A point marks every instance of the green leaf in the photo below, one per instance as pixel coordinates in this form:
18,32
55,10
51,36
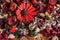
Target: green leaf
32,33
17,34
8,28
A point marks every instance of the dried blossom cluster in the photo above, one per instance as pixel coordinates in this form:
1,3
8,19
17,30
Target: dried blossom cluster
29,19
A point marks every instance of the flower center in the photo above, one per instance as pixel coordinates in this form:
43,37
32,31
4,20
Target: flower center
23,12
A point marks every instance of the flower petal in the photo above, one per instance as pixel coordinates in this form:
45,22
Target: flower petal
30,17
27,18
32,13
27,6
21,7
31,8
18,12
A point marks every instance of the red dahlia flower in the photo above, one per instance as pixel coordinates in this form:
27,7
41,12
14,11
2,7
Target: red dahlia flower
25,12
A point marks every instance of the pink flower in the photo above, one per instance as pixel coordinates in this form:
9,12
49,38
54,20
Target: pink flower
40,8
52,2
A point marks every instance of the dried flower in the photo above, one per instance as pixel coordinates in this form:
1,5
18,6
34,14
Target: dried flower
25,12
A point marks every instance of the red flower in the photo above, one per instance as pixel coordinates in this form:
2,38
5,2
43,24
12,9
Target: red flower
11,21
34,1
40,8
4,6
12,30
19,1
25,12
50,8
52,2
9,6
12,6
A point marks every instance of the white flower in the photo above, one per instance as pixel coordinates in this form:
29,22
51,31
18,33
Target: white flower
1,16
42,14
37,30
23,31
5,15
48,24
32,26
42,28
54,23
8,1
11,36
58,5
